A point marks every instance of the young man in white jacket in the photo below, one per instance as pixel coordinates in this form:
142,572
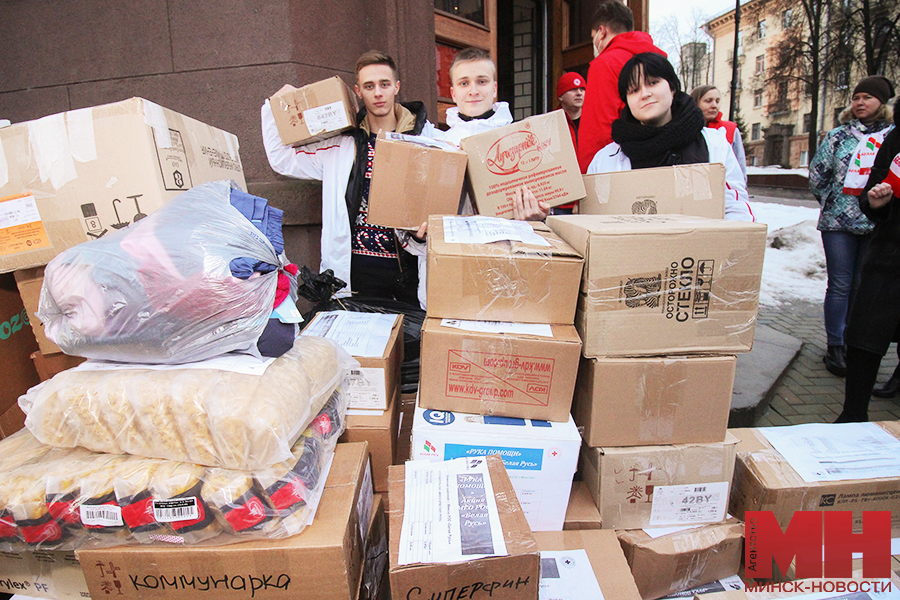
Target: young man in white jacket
369,258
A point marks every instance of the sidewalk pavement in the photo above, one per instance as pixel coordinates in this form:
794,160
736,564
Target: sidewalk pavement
807,392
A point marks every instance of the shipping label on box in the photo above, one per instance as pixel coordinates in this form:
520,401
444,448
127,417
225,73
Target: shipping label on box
697,190
540,457
314,112
647,486
665,284
654,400
414,177
76,176
531,281
536,152
525,375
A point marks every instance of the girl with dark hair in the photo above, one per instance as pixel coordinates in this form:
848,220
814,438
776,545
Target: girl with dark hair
661,126
874,320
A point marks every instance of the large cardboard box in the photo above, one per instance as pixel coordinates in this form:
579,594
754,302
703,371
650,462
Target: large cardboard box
502,281
512,577
684,559
665,284
16,346
376,381
581,513
697,189
504,374
764,480
603,552
379,430
648,486
414,177
540,456
537,152
374,584
314,112
654,400
75,176
324,562
43,574
48,365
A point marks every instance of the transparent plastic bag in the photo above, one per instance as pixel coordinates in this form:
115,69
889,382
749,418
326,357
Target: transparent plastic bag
161,290
65,499
211,417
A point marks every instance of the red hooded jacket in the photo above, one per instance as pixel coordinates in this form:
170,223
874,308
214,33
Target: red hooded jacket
602,104
720,123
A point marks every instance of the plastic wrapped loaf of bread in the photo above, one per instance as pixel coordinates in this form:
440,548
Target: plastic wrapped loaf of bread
209,417
166,289
70,498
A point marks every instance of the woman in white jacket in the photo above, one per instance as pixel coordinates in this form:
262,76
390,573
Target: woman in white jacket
662,126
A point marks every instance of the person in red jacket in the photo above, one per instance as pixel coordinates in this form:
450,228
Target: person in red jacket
570,94
615,41
708,98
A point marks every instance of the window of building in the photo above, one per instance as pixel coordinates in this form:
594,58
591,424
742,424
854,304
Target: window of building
444,56
753,160
806,122
760,64
755,132
842,81
470,10
577,15
804,158
740,42
783,93
786,18
757,99
761,29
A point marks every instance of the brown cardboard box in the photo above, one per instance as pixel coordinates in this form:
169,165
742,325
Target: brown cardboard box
520,568
507,375
602,548
78,175
414,177
763,480
42,574
404,428
502,281
665,284
16,346
324,562
380,433
374,384
537,152
625,482
682,560
48,365
374,584
29,282
655,400
582,512
697,190
314,112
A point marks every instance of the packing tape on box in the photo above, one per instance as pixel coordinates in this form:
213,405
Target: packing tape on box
155,117
506,282
80,124
49,142
692,182
657,402
503,367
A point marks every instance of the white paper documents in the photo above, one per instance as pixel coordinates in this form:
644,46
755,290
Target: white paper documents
568,575
836,452
535,329
694,503
484,230
237,363
450,513
360,334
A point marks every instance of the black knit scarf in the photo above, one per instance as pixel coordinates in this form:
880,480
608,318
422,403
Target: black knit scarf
680,141
485,115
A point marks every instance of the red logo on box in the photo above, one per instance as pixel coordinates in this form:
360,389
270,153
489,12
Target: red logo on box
516,152
459,367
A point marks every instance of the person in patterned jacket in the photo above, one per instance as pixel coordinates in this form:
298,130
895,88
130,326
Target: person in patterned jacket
845,229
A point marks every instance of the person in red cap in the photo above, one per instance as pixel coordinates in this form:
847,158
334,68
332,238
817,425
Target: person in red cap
570,94
615,42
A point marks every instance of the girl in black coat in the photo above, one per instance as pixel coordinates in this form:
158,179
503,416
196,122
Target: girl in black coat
874,320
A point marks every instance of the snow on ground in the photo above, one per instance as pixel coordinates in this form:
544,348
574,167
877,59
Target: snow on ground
777,171
794,268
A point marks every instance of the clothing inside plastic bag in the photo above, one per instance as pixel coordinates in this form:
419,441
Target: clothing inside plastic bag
162,290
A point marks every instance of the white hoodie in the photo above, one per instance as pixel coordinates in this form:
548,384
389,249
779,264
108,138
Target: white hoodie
460,128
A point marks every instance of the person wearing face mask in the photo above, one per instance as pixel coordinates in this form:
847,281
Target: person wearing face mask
615,41
661,126
845,229
708,99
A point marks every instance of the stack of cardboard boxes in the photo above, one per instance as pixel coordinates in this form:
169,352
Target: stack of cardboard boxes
665,302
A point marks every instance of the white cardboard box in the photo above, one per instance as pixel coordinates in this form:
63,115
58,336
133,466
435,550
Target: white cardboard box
540,456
